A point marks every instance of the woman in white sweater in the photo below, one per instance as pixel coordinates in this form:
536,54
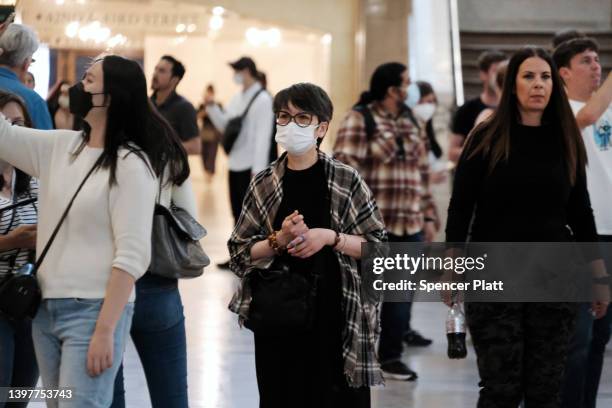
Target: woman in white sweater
104,245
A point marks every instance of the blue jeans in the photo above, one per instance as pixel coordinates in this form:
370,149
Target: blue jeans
586,350
395,317
17,359
62,330
158,332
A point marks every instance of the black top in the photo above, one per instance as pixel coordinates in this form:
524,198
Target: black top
466,115
181,115
306,191
526,199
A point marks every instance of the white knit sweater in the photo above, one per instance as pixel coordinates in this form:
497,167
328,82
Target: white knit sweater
107,227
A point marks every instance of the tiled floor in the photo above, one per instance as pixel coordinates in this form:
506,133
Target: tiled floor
221,362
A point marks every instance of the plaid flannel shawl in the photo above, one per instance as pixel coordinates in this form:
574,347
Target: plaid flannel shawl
353,211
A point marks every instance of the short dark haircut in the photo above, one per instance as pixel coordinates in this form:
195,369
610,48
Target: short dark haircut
178,69
569,49
308,97
566,35
488,58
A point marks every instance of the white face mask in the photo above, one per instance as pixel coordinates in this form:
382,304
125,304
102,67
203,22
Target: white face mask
294,139
238,79
64,101
413,94
424,111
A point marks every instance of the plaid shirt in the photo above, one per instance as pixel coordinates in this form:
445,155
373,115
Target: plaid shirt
394,164
354,212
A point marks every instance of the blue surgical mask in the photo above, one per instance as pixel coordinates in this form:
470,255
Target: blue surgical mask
413,95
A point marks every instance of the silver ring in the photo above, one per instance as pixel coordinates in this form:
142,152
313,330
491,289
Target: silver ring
303,237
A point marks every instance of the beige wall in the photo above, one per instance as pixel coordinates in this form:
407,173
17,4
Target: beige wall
295,60
339,18
385,24
336,17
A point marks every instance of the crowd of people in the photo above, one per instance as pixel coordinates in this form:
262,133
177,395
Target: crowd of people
532,164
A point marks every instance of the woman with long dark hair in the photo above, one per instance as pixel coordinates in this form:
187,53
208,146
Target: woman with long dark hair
87,278
522,178
18,367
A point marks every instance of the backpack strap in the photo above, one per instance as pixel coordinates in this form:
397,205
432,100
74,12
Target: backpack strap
250,103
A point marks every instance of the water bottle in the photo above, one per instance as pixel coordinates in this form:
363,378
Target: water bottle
455,332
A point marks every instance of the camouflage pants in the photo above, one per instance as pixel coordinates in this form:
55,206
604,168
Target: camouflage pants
521,350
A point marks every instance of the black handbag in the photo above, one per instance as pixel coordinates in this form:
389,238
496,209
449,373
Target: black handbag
20,293
282,301
176,251
234,126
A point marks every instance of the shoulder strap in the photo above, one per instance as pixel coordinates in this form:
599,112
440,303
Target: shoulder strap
370,123
17,205
63,217
251,102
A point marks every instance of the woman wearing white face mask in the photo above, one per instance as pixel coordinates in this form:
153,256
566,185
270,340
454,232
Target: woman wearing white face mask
424,111
312,213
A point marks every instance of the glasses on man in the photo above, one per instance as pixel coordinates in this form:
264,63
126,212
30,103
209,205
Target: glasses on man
302,119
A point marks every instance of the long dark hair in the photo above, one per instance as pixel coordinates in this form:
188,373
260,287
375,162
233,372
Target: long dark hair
134,124
22,180
495,140
384,77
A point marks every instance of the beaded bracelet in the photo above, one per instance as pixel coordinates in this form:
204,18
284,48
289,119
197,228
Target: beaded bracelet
273,242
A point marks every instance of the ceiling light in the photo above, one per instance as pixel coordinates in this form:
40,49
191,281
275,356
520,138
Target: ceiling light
215,23
72,29
273,37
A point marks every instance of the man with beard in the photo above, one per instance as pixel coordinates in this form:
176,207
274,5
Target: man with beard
177,110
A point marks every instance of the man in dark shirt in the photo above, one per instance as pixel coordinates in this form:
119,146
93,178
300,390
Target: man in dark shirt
466,115
178,111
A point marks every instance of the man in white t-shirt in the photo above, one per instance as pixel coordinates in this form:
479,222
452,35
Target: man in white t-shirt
578,63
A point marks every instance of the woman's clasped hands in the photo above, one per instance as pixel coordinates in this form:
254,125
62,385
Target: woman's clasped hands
301,241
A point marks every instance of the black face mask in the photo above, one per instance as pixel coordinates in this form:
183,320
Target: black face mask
81,100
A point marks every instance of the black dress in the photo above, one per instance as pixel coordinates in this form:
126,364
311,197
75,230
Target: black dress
306,371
